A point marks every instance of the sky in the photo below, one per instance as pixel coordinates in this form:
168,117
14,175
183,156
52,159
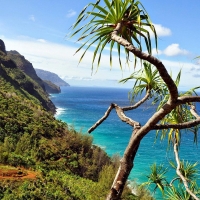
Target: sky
39,30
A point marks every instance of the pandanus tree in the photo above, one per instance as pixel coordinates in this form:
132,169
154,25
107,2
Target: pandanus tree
125,24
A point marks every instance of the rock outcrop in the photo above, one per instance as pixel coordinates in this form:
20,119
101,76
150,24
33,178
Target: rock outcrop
25,66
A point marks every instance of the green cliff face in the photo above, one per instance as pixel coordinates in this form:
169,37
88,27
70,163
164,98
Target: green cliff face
11,72
68,166
51,88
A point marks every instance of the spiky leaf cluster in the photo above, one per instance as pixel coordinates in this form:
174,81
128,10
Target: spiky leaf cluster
100,20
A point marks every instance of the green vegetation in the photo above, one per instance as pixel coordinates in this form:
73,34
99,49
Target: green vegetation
20,81
64,163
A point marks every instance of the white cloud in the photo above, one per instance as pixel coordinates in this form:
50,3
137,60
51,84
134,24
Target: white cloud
41,40
171,50
162,31
71,13
174,50
59,59
32,18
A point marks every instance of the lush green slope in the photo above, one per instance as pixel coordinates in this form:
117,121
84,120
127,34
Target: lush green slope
68,165
14,75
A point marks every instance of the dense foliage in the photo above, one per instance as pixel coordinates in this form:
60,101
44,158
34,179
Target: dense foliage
68,166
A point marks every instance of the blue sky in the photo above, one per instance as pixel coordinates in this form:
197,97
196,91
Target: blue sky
38,30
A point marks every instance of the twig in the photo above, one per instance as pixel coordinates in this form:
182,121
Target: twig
102,119
138,103
179,173
170,184
194,112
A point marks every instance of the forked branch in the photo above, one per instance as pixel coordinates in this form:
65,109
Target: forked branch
120,112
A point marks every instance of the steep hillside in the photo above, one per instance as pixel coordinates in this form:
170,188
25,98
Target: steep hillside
25,66
49,76
51,87
28,69
14,75
63,163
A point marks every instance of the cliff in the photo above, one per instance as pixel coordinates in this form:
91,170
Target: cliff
13,70
51,88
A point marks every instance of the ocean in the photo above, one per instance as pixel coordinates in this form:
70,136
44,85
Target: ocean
81,107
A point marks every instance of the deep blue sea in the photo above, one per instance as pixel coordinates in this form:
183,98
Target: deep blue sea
81,107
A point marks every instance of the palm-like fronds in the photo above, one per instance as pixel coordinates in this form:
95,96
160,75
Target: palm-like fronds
146,79
101,21
157,177
179,115
188,170
179,193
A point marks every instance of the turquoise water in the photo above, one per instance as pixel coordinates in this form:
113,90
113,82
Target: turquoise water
81,107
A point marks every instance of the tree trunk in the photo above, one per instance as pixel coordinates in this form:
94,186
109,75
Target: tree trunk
126,165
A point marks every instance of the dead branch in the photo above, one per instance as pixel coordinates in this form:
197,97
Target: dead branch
120,113
126,119
194,112
102,119
180,175
138,103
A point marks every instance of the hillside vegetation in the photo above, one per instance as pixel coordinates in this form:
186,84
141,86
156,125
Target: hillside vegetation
65,163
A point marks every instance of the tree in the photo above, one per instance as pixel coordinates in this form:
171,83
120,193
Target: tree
126,24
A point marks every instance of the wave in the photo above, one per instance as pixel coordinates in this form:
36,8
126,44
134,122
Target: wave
60,111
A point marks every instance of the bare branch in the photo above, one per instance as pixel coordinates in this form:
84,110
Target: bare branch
138,103
102,119
188,99
126,119
193,111
180,175
177,126
120,113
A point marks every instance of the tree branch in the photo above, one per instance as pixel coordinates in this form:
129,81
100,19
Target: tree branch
170,184
120,113
102,119
180,175
157,63
181,125
177,126
188,99
138,103
126,119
